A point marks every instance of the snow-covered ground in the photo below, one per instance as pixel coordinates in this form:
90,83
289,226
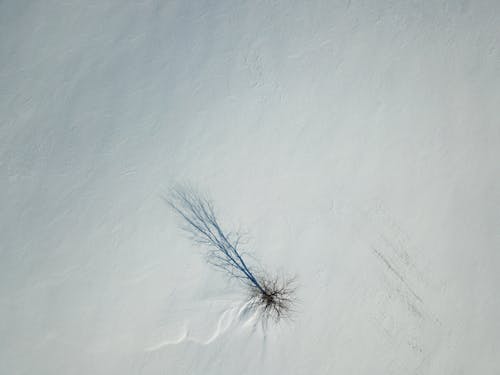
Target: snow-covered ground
357,142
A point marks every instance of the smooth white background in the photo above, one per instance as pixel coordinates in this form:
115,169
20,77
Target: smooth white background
357,142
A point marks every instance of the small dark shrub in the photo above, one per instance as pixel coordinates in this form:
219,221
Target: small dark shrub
271,296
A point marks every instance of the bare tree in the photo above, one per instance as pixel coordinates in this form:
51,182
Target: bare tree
272,297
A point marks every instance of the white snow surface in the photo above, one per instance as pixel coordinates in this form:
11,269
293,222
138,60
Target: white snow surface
356,142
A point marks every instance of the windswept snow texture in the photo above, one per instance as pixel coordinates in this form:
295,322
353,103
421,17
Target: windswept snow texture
356,142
